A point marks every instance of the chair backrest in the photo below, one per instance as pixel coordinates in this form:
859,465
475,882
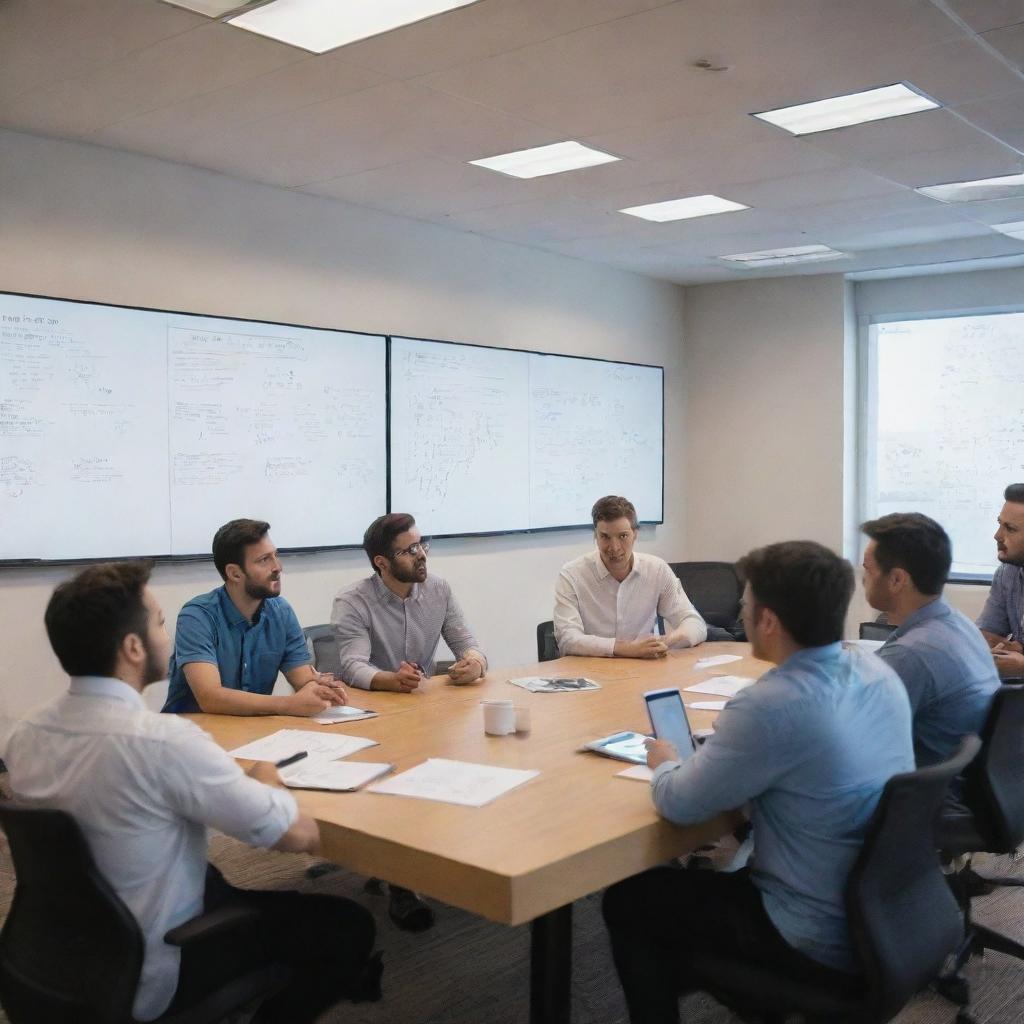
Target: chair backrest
904,919
323,648
994,786
547,649
713,587
875,630
70,950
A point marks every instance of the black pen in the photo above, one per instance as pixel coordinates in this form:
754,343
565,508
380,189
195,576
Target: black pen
291,760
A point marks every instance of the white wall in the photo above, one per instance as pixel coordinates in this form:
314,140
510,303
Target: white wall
79,221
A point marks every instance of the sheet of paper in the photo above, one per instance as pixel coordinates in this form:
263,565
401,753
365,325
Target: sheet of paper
727,686
455,782
639,772
718,659
866,645
319,746
335,775
707,705
553,684
344,713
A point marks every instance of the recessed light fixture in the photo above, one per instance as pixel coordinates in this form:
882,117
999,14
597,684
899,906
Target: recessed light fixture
1010,186
681,209
842,111
214,8
321,25
1012,230
541,160
790,254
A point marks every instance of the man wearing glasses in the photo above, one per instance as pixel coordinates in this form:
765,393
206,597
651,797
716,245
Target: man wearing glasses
388,625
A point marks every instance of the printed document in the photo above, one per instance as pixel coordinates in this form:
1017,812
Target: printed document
455,782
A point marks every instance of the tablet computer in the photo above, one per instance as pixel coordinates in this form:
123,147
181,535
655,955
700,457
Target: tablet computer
667,713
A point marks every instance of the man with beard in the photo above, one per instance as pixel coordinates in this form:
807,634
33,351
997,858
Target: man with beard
230,644
144,788
1002,619
388,625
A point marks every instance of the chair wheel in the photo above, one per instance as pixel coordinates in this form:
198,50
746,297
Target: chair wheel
373,887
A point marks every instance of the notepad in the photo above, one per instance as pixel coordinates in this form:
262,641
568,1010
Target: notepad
342,713
340,776
319,746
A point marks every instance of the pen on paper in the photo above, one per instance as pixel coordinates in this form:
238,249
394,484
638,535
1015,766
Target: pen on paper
284,762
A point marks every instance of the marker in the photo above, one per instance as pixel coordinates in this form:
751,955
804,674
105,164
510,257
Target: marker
291,760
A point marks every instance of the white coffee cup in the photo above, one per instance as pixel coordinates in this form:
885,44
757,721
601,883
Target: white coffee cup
499,717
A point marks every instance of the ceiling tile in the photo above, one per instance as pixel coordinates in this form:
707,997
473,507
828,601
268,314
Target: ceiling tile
985,159
1009,42
800,190
983,15
1000,116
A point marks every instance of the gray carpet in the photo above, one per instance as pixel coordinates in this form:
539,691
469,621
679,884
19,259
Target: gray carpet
469,971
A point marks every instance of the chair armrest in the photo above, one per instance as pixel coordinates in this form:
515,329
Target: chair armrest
214,923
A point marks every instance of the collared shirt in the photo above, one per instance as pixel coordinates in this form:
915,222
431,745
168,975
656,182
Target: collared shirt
1003,613
593,609
812,744
377,630
947,669
248,655
142,787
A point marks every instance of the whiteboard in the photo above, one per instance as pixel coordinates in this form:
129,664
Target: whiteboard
139,432
488,440
946,425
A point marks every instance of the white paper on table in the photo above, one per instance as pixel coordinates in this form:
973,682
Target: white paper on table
639,772
319,746
707,705
865,645
455,782
718,659
342,713
727,686
341,776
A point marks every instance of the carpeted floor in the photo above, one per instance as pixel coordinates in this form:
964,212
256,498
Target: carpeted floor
469,971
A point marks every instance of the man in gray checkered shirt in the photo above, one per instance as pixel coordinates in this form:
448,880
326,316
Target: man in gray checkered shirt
389,624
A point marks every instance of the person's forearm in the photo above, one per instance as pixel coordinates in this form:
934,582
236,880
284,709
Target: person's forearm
224,701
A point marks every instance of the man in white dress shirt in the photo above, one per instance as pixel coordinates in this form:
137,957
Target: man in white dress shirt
607,601
143,787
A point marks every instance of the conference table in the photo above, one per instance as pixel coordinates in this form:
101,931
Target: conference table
570,831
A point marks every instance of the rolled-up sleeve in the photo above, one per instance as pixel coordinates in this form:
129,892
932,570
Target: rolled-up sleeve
457,634
995,616
352,632
195,637
569,632
677,609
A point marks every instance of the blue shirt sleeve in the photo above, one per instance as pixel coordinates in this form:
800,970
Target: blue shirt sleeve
995,616
912,672
296,651
195,637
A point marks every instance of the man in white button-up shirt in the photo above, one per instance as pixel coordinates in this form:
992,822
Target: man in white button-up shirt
607,602
143,787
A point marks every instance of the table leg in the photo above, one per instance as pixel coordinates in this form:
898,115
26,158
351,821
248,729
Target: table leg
551,967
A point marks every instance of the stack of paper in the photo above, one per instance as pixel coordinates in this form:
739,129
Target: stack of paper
319,746
343,713
341,776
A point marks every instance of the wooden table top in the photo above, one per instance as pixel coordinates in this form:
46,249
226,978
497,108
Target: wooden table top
570,831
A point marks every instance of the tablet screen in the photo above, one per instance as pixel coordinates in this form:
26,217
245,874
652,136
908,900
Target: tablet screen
669,721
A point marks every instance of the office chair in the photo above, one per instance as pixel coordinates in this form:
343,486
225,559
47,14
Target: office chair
71,951
876,630
323,648
715,590
904,921
991,822
547,649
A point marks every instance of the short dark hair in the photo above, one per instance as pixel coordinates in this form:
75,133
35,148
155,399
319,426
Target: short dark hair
231,540
807,586
612,507
1014,493
89,615
912,541
381,534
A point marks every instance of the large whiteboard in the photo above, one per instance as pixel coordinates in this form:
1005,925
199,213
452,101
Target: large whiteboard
137,432
945,431
485,440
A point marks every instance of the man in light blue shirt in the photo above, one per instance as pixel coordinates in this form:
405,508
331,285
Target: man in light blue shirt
938,652
810,746
1002,619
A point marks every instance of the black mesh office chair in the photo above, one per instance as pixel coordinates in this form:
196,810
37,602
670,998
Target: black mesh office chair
904,920
991,822
70,950
715,590
547,649
323,648
879,629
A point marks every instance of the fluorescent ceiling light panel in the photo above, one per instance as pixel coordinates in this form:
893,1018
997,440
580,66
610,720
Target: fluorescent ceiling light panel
1010,186
211,8
321,25
1014,230
541,160
842,111
681,209
790,254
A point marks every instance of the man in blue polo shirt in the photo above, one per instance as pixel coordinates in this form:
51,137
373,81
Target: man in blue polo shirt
230,644
1002,619
938,652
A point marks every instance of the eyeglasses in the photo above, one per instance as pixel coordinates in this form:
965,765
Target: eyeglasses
413,549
